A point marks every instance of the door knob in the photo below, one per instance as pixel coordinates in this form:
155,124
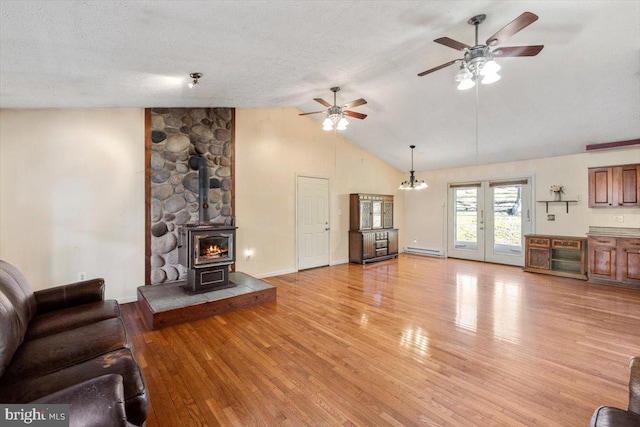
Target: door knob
326,229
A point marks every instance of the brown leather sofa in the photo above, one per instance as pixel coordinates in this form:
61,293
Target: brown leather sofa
65,344
608,416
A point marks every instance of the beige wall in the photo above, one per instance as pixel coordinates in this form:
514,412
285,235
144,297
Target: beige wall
72,196
72,192
275,145
425,212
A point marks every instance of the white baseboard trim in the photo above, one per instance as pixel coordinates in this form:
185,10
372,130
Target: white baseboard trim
342,261
125,300
274,273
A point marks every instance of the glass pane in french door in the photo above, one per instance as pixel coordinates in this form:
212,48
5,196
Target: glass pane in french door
466,218
507,220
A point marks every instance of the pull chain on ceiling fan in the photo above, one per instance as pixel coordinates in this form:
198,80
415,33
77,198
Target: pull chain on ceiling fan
478,59
336,114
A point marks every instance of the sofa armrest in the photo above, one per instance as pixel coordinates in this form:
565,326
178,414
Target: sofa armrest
634,385
70,295
96,402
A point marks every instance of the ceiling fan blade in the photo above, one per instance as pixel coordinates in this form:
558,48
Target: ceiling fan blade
315,112
322,101
518,51
522,21
452,43
439,67
355,103
354,114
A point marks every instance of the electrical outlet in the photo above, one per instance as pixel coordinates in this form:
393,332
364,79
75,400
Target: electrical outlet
551,217
82,276
618,218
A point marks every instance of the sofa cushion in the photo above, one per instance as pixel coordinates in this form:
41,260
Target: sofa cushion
71,318
69,295
608,416
15,286
43,355
96,402
11,332
119,362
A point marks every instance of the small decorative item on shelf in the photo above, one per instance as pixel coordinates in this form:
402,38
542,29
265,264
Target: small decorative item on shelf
557,191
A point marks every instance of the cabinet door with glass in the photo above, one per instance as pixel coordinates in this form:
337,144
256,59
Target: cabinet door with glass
371,211
388,215
365,215
376,214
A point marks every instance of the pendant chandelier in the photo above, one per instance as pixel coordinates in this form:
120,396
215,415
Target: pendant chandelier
412,183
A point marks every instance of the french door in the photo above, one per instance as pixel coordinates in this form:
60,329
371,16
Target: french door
488,219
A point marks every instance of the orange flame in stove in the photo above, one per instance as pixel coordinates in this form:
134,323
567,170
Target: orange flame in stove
215,251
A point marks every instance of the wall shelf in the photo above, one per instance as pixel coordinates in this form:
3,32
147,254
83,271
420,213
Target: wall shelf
566,202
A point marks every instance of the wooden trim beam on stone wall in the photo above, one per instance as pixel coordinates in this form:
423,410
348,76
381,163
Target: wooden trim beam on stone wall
147,196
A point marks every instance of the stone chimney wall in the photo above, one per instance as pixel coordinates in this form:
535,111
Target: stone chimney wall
177,134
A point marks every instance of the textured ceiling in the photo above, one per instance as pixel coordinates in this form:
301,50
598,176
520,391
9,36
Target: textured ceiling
583,88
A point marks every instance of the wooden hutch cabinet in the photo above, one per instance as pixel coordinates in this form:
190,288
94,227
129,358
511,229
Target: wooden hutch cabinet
614,186
371,234
614,256
556,255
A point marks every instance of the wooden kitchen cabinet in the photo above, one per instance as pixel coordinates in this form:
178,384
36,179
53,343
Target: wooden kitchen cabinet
614,186
614,259
629,261
556,255
602,258
538,252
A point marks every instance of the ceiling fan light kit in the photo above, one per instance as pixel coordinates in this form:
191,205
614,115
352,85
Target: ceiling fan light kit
478,60
335,114
412,183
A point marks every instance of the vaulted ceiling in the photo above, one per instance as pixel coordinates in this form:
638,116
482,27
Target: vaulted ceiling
583,88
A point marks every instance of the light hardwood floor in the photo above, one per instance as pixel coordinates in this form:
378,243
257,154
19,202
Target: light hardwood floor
413,341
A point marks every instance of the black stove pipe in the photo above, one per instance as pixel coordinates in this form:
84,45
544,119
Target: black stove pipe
202,165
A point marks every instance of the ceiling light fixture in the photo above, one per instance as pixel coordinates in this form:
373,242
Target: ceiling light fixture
195,77
335,118
412,183
477,62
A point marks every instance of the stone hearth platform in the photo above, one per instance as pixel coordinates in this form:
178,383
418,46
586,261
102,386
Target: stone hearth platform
170,303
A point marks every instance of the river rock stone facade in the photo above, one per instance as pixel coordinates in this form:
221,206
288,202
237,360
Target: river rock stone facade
177,134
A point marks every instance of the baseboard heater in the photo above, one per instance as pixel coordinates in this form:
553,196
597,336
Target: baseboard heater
425,252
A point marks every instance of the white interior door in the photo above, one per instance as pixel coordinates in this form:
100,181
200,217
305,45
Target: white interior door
488,219
313,222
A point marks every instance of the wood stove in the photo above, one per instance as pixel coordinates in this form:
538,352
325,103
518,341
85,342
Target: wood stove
207,251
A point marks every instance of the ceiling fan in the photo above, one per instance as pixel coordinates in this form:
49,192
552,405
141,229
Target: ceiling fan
478,59
335,113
